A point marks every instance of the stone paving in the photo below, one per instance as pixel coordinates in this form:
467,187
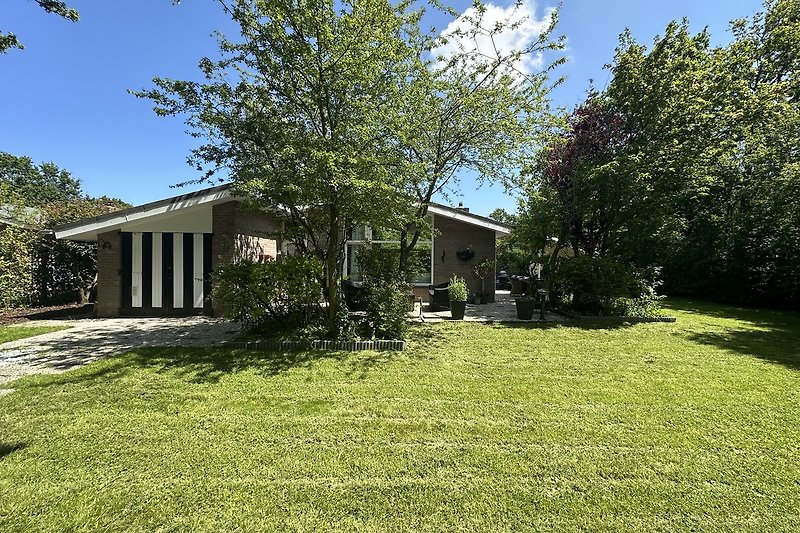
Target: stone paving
92,339
502,310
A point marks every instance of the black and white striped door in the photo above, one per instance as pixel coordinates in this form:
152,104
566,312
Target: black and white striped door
165,273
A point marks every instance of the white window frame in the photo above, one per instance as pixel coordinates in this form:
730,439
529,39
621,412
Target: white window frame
367,240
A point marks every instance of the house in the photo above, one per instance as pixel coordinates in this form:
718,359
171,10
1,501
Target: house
156,259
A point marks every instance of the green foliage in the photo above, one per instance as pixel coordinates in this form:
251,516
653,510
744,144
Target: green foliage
457,290
602,285
700,172
16,261
57,7
24,183
387,305
385,298
271,298
379,264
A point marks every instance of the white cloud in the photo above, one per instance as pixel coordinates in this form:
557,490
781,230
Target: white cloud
520,28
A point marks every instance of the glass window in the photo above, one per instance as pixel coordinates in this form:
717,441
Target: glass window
420,260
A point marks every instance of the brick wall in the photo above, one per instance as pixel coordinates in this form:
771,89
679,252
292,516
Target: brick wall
454,236
237,234
109,257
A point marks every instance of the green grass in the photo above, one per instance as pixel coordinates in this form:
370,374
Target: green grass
654,427
13,333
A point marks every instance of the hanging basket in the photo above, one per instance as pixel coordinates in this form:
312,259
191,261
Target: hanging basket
465,255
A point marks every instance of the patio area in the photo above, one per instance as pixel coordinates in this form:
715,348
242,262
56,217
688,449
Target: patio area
502,310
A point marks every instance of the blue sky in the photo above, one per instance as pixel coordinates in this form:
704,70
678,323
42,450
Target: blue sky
64,98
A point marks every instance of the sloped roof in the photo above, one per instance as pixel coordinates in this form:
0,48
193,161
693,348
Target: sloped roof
89,228
20,217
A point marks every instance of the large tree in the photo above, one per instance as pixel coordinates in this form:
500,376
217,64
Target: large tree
297,112
338,114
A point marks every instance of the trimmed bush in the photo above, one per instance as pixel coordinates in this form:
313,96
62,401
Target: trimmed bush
604,286
271,298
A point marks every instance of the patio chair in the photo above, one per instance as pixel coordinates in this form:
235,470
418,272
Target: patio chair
439,298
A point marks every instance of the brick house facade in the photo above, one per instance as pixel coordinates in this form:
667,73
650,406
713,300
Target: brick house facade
157,259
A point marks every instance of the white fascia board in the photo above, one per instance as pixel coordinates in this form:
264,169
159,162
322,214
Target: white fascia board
88,229
468,218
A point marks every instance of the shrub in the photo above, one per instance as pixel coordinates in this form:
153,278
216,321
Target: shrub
385,295
387,305
457,291
271,298
602,285
379,264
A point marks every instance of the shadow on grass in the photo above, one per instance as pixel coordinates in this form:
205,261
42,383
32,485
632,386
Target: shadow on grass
563,324
776,344
8,449
209,365
774,336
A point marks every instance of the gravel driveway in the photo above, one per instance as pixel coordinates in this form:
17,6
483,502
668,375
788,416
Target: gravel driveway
92,339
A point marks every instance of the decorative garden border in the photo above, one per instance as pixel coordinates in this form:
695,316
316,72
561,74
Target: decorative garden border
297,346
598,319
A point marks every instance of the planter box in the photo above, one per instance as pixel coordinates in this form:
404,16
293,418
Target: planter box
457,309
525,308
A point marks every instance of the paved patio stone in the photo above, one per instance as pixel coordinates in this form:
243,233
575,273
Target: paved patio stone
502,310
92,339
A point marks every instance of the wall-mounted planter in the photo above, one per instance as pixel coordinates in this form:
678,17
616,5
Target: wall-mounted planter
465,255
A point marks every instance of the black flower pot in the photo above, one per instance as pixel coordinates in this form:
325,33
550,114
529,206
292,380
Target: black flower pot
457,309
525,308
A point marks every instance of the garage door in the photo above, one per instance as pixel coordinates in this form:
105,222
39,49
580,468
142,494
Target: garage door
166,274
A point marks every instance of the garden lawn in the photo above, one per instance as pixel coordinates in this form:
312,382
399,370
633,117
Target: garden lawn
654,427
13,333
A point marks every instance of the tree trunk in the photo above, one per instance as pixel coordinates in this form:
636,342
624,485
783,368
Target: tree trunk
333,274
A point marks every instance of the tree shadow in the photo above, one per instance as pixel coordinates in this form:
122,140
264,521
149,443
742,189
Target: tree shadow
774,345
8,449
774,336
547,324
209,365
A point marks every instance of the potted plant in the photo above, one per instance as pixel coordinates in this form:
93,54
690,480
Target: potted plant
525,307
483,270
457,291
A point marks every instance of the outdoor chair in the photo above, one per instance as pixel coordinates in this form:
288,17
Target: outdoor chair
439,297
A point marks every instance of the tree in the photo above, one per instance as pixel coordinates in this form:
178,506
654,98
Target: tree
57,7
297,112
23,182
37,269
479,107
334,115
702,175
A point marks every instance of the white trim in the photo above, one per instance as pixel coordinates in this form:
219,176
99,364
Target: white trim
91,227
136,270
157,286
463,216
177,270
197,269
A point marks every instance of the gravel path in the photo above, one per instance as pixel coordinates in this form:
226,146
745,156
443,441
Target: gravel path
92,339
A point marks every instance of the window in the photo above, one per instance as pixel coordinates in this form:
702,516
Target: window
420,260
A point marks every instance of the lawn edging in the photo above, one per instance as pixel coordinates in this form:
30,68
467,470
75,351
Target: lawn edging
292,346
599,319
